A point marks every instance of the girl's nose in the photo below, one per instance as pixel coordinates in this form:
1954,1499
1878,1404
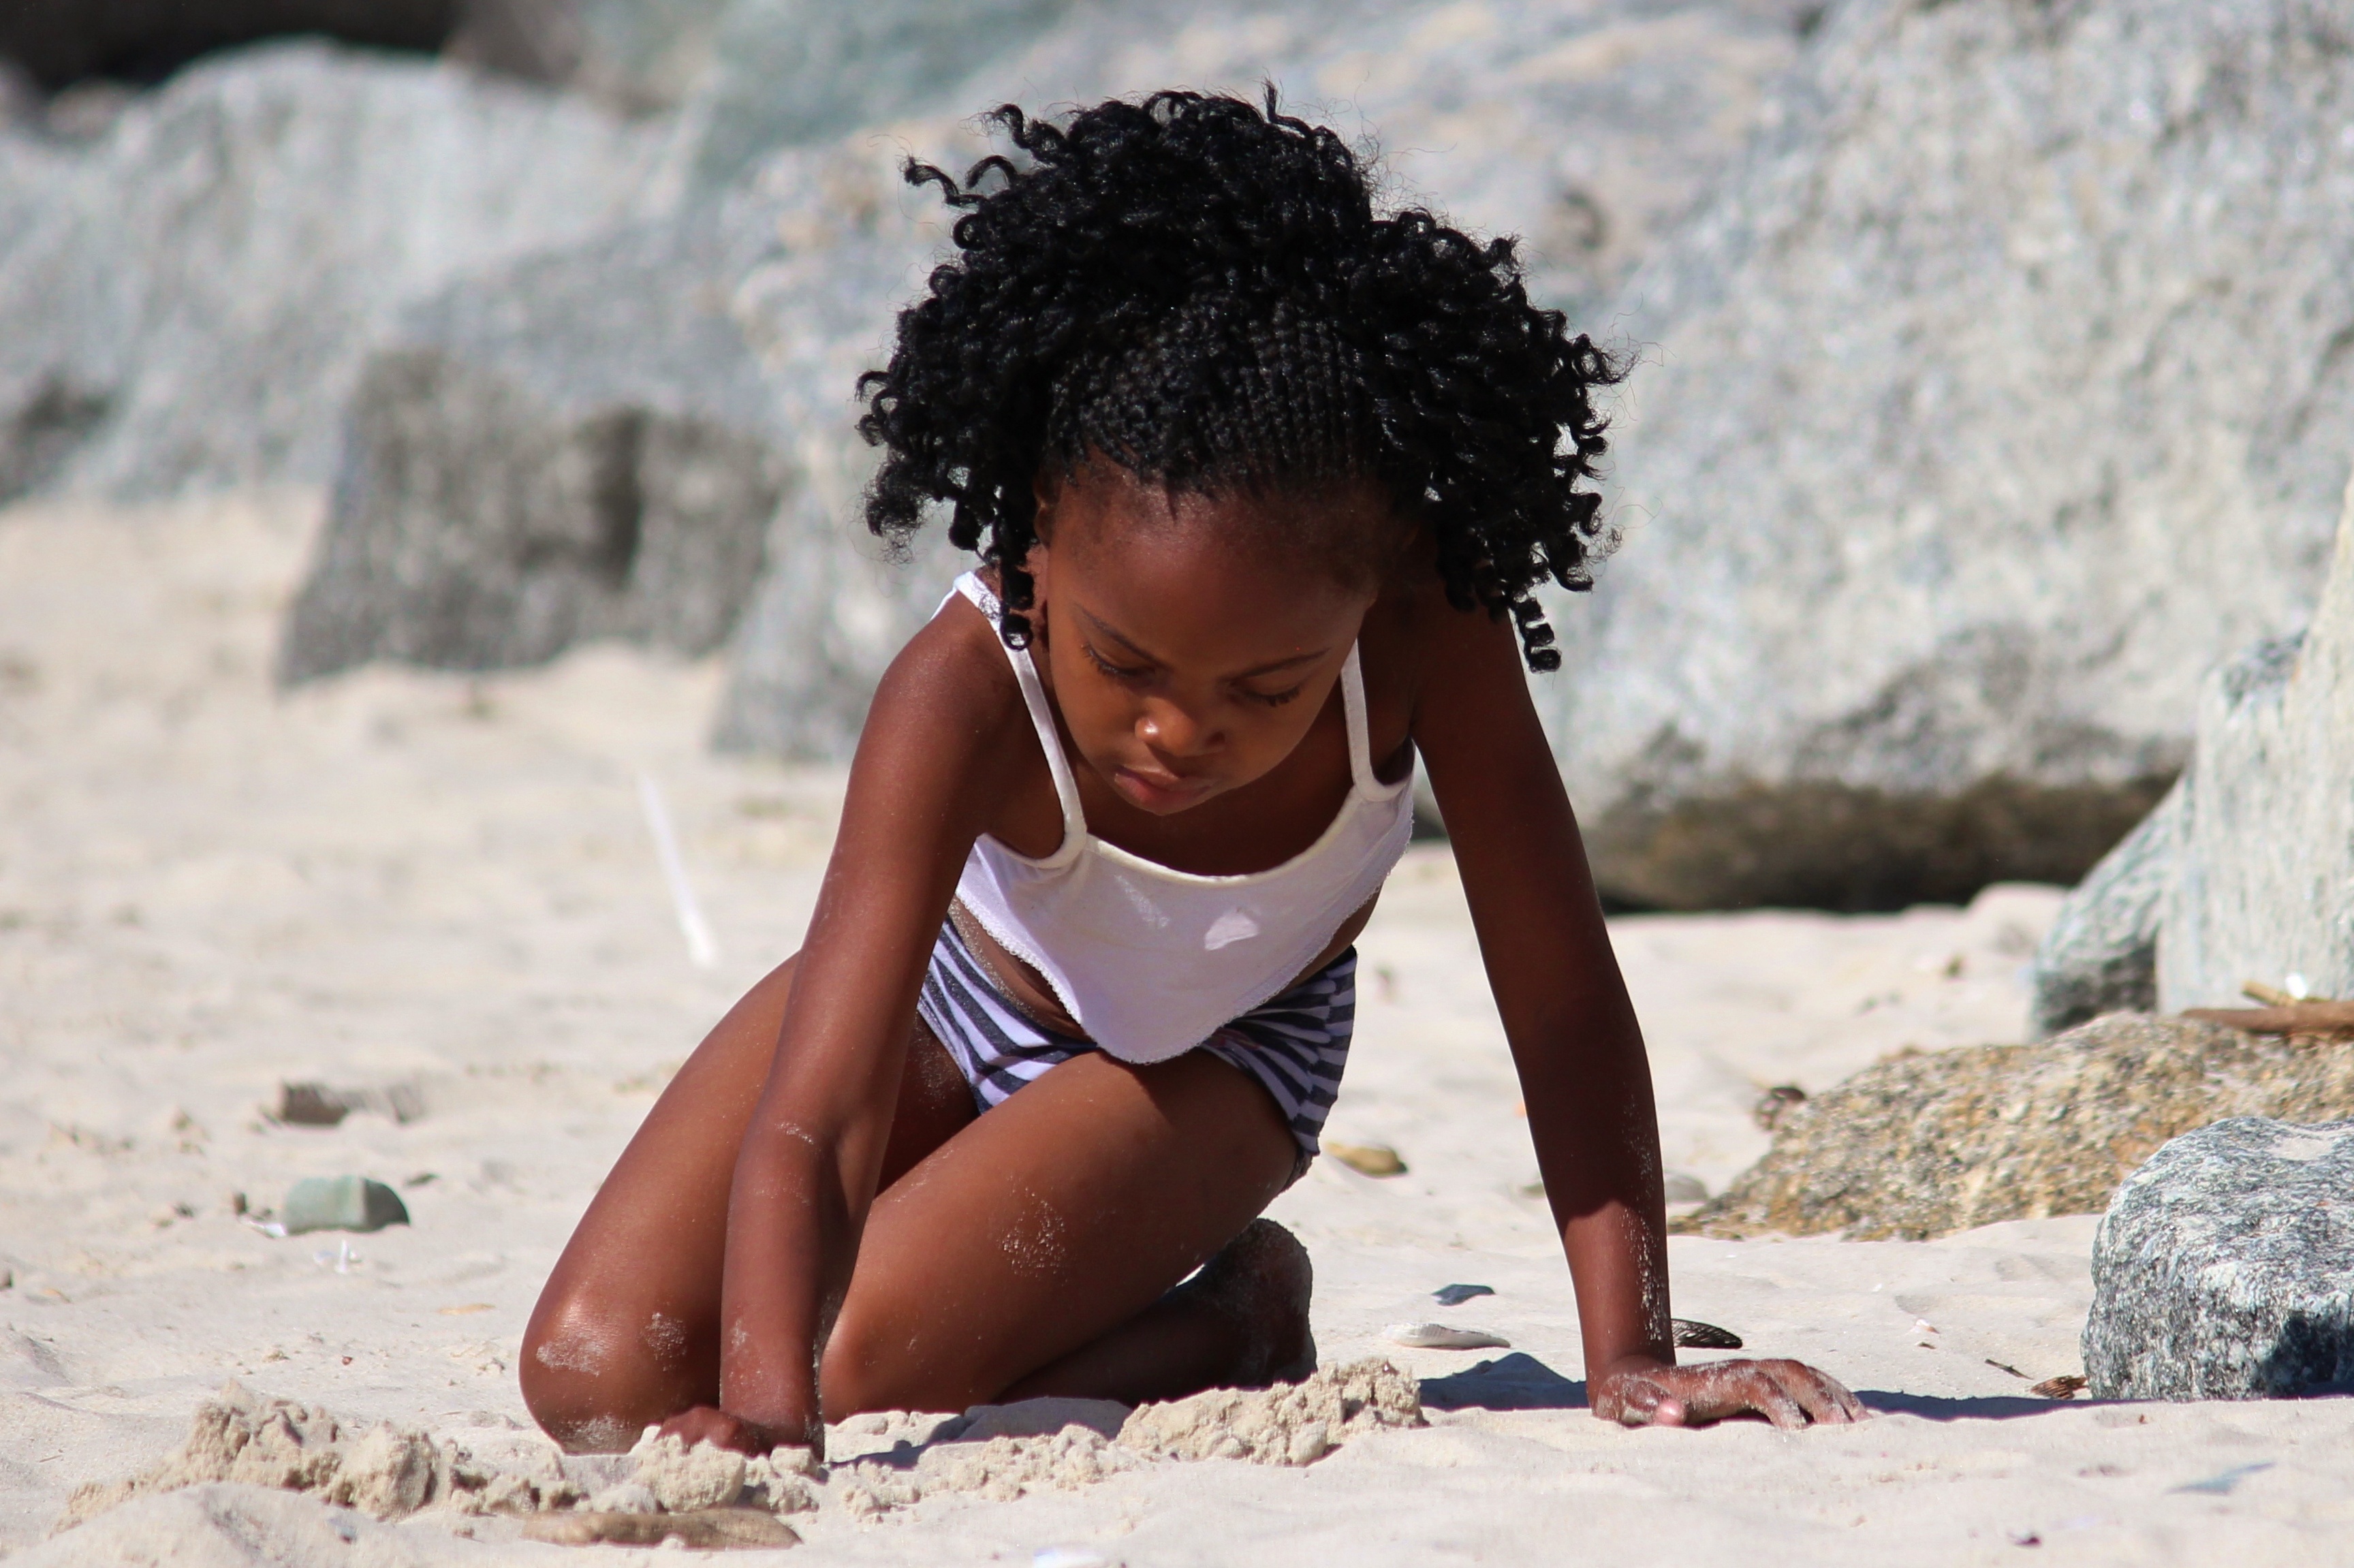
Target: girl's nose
1172,732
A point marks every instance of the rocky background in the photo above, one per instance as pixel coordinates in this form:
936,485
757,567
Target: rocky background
1995,359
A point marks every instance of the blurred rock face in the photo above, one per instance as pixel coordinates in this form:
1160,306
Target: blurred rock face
2006,392
579,447
188,300
1998,391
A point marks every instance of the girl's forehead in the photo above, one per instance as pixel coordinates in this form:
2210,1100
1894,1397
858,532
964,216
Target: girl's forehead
1191,593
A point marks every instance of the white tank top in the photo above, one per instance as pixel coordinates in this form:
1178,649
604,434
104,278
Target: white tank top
1149,961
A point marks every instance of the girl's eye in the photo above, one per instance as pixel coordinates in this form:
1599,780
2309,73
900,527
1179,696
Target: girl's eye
1116,672
1276,699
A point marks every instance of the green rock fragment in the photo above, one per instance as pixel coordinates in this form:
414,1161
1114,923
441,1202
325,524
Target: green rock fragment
342,1204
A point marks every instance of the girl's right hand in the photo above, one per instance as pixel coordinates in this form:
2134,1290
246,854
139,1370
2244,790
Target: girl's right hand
1646,1392
709,1424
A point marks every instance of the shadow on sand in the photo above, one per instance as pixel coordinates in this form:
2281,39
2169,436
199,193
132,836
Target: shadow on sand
1521,1381
1517,1382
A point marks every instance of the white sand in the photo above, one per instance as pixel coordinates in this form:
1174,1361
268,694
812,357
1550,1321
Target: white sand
206,888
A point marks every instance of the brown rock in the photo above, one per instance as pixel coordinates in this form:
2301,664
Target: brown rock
1924,1144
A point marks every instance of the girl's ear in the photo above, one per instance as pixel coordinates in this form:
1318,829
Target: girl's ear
1047,489
1046,492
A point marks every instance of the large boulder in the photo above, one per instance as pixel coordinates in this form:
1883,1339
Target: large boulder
2224,1267
188,300
1922,1144
581,446
2006,391
2264,885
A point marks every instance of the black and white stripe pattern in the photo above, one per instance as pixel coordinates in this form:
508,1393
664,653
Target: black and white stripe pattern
1295,1044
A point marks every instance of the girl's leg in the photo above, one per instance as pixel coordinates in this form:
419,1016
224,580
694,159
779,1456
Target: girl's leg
1036,1251
626,1330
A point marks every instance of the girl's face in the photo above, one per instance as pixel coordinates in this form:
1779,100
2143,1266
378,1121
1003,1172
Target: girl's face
1188,649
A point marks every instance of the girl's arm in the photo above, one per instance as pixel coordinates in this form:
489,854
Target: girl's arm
931,768
1574,1036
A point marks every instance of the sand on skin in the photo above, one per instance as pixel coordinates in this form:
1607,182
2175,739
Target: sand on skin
206,888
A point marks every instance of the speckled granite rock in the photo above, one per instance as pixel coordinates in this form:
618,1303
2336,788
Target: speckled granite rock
2101,953
2224,1267
1924,1143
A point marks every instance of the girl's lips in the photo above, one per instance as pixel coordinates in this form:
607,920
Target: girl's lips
1166,793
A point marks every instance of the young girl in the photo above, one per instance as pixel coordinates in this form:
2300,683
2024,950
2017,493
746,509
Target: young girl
1260,482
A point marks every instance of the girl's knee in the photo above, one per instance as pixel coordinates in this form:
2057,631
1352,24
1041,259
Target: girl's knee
869,1365
595,1372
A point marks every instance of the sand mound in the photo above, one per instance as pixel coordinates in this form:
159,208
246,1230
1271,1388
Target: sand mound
991,1456
387,1471
392,1471
999,1453
1292,1424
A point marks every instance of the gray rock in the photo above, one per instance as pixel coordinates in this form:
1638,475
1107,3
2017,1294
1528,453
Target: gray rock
188,300
2265,887
582,446
2101,953
2224,1267
2005,392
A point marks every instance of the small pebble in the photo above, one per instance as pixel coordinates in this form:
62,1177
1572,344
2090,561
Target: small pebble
1456,1295
342,1204
1682,1187
1694,1335
1775,1104
1367,1159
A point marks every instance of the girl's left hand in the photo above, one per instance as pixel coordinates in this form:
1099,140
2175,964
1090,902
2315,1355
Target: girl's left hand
1790,1395
709,1424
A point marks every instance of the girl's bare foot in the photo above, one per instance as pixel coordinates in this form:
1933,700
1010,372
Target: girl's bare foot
1260,1284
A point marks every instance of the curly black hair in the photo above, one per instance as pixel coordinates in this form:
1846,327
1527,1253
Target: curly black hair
1201,290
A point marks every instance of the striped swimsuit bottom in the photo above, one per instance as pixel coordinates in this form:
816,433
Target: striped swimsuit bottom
1294,1045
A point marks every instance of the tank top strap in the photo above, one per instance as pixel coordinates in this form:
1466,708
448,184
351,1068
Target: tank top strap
1042,717
1360,739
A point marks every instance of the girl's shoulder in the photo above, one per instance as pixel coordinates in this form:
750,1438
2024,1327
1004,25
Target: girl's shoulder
954,668
948,702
